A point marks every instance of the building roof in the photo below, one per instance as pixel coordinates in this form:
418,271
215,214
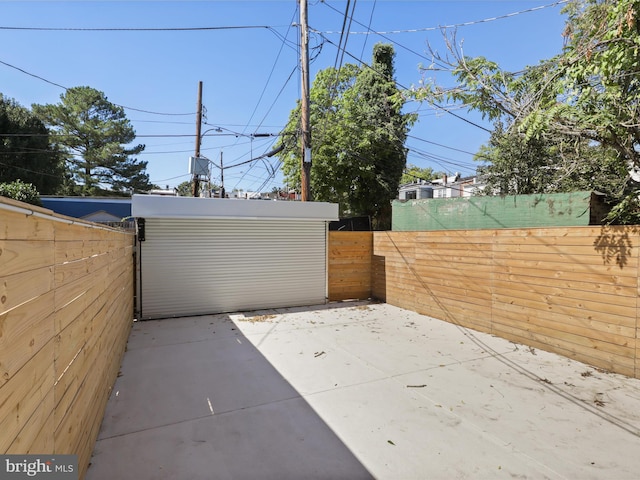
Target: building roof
81,207
156,206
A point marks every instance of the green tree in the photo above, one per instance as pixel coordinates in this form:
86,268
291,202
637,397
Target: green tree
414,173
327,120
579,109
185,189
95,133
599,74
516,164
25,150
18,190
358,137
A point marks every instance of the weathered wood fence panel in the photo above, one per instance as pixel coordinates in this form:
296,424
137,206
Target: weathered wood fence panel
349,265
66,309
569,290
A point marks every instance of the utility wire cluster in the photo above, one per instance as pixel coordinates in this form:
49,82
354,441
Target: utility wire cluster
348,18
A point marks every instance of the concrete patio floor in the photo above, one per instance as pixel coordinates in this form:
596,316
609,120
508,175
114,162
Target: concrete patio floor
358,390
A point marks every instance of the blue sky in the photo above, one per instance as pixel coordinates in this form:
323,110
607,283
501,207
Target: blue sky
250,76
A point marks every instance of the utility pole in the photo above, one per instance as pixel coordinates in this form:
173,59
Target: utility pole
305,170
222,192
196,178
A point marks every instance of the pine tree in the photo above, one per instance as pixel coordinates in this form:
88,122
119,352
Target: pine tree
94,134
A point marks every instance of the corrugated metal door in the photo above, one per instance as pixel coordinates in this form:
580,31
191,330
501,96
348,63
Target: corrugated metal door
192,267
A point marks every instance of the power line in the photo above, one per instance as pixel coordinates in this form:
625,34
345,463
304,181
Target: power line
218,147
261,157
140,29
440,145
271,27
269,110
161,121
34,75
61,135
379,34
284,41
66,89
405,88
29,170
446,160
454,25
161,135
271,176
291,44
383,34
153,113
277,96
275,62
364,44
342,35
172,178
337,66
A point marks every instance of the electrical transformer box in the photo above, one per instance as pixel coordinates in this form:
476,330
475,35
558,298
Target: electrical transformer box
199,166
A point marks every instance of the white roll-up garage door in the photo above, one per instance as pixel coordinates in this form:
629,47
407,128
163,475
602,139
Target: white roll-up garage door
202,266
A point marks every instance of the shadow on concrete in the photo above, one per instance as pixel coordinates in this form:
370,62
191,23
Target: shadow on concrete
196,400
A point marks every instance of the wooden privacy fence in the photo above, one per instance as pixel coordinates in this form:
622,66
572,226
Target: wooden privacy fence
66,308
349,265
569,290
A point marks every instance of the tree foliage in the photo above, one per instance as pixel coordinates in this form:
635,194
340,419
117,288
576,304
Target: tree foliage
19,190
94,134
515,164
185,189
358,136
25,150
599,75
570,121
413,173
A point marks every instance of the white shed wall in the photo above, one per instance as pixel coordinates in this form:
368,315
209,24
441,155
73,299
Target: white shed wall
211,264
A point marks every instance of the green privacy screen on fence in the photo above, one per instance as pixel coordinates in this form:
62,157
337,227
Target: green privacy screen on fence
514,211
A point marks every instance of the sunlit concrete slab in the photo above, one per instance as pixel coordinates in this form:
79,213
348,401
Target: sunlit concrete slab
358,390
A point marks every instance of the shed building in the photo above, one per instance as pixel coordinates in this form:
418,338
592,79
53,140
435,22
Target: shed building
209,255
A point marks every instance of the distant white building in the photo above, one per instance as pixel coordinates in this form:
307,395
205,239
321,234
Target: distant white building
446,187
243,194
414,191
167,192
